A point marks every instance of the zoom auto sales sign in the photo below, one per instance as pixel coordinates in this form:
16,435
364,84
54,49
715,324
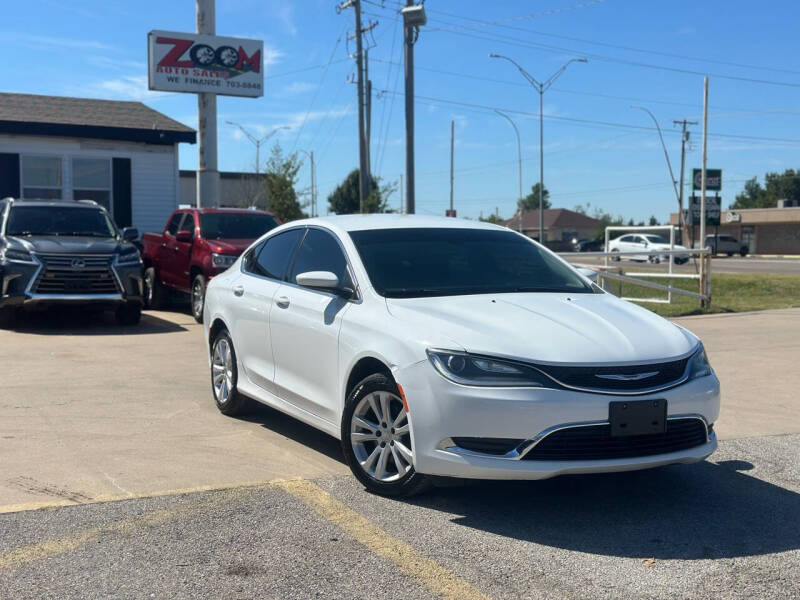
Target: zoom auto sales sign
189,62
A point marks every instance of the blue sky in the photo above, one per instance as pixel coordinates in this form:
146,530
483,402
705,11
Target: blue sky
597,149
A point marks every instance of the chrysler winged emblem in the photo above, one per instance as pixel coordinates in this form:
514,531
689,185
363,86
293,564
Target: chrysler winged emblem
628,376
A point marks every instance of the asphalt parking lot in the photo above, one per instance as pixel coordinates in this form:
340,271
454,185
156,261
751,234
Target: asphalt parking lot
144,490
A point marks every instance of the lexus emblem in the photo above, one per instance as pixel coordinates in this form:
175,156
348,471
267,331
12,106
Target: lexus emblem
628,376
78,263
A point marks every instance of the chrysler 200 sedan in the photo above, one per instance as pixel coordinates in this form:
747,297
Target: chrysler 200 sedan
443,347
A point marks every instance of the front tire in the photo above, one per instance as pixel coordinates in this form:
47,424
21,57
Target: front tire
615,258
224,376
155,296
8,318
376,439
129,314
198,297
743,252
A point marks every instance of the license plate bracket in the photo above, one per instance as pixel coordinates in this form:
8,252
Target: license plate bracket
637,417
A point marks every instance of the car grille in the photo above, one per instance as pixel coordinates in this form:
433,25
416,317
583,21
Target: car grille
594,442
591,378
60,275
494,446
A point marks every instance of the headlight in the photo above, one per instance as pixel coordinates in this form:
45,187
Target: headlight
699,365
467,369
11,255
129,257
222,261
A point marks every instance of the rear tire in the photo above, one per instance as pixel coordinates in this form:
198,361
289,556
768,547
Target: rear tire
744,251
376,441
198,297
155,295
224,376
730,254
615,258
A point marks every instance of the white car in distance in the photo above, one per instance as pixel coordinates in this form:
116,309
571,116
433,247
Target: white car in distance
649,245
443,347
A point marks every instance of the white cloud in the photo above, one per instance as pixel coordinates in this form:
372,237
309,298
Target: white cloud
297,87
43,41
129,87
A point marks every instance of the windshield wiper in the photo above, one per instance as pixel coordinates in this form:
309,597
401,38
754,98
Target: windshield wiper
87,234
30,233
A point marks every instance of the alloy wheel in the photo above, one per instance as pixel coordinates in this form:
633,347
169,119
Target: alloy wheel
149,284
380,437
222,370
197,297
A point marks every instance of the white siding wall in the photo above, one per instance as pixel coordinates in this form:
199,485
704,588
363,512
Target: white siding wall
154,169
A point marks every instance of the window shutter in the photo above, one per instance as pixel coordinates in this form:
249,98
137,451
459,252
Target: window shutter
121,182
9,175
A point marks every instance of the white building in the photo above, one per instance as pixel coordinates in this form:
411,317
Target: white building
123,155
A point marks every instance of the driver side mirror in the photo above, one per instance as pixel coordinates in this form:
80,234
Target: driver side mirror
130,233
323,280
184,236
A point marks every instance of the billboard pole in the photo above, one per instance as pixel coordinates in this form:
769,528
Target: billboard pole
207,173
703,273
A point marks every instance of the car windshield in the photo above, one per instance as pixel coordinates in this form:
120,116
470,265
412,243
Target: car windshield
656,239
418,262
59,220
236,226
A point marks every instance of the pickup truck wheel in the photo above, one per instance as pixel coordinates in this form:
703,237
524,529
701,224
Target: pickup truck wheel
198,297
224,376
155,296
129,314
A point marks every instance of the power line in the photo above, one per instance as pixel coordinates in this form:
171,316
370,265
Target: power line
479,22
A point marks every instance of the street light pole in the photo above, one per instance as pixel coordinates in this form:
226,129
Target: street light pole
519,157
257,142
541,87
666,154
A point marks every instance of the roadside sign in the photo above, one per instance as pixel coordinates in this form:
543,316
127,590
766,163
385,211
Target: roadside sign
713,179
196,63
450,213
712,210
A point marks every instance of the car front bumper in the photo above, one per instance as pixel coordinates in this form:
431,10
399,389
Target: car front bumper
440,410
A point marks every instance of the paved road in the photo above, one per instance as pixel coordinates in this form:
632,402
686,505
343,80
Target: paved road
720,264
726,528
93,413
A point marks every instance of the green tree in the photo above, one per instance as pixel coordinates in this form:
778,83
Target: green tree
653,221
531,201
777,186
606,219
492,218
344,200
279,181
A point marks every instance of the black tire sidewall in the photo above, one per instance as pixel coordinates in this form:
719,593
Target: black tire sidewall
199,316
236,404
412,481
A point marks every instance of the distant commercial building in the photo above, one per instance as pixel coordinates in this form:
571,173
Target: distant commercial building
560,225
123,155
235,189
764,230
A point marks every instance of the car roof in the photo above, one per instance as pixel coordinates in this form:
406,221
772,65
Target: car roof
347,223
58,203
207,211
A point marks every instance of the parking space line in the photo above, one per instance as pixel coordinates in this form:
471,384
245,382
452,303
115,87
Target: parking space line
27,506
49,548
441,581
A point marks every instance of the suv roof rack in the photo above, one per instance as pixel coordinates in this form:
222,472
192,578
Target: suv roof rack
87,202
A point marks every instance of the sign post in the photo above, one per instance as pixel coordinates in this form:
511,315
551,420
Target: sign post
206,65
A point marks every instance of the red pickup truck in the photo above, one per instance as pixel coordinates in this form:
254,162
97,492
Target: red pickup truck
196,244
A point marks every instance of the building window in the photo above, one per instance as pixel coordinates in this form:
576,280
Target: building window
41,177
91,180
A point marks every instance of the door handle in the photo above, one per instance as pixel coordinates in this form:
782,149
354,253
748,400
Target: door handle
282,301
238,290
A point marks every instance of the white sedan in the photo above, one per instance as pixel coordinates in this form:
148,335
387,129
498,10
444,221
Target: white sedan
433,346
649,245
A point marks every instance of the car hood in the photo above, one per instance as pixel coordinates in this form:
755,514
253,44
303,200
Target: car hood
236,246
549,328
66,245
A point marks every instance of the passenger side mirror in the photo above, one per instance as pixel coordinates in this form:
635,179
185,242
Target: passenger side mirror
184,236
323,280
130,233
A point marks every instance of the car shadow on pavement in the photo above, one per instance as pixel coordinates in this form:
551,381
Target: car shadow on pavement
700,511
77,321
295,430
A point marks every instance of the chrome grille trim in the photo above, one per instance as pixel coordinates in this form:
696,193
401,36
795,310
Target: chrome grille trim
56,276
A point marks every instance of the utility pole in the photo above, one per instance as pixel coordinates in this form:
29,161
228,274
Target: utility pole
413,18
452,156
684,140
207,171
368,109
401,193
703,173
